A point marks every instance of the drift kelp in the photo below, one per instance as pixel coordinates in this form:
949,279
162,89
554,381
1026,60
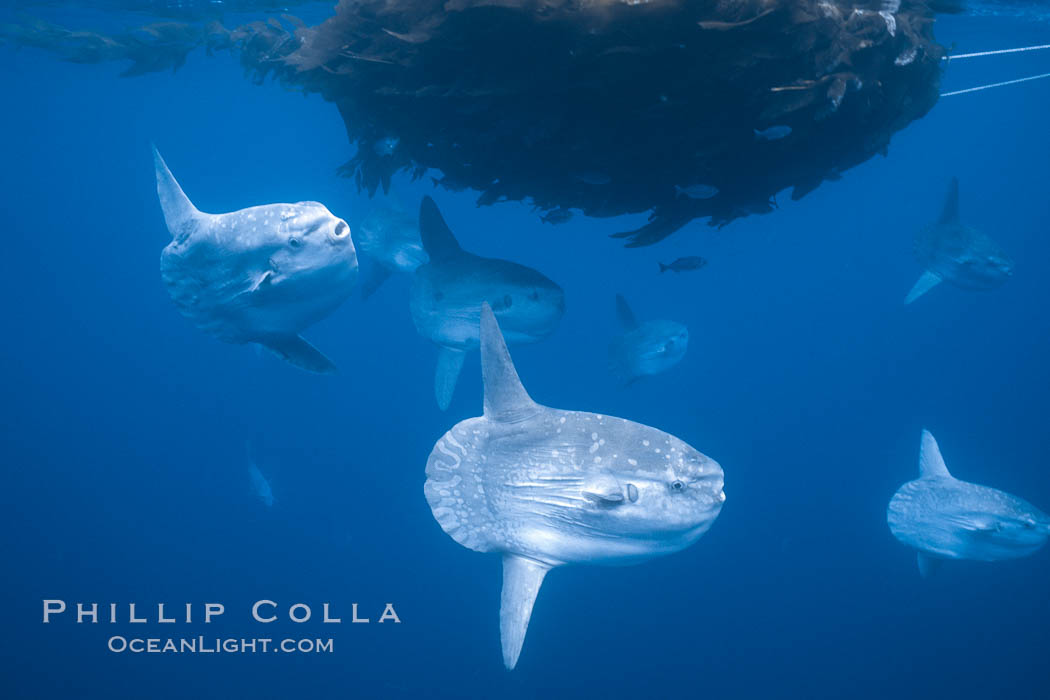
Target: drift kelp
606,107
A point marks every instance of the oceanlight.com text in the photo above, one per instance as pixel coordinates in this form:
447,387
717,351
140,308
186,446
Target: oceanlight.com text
217,645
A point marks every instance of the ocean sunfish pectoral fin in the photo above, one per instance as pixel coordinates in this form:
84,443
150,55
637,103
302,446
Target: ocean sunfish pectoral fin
928,565
449,364
603,488
298,352
437,238
928,281
179,213
931,463
261,281
950,213
983,524
624,313
374,277
522,579
506,400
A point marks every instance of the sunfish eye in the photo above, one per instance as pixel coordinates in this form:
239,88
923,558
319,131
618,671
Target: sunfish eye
677,485
294,242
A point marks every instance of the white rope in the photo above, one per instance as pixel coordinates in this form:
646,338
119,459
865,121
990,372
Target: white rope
994,85
995,53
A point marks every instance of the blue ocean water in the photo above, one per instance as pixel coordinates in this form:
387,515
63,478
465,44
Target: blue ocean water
125,429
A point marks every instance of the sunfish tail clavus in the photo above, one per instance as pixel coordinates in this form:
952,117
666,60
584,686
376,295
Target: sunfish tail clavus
945,518
257,275
546,487
448,291
951,251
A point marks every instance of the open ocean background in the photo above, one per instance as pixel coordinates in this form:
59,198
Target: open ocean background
125,477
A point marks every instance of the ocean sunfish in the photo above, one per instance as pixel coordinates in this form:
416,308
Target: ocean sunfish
448,291
945,518
258,275
546,487
390,237
646,348
951,251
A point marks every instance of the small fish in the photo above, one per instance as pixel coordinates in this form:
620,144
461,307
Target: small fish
556,216
698,191
386,146
689,262
594,178
773,133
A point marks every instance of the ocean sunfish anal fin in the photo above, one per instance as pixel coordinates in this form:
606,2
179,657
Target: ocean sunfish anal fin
179,213
449,364
522,579
506,400
925,283
435,234
298,352
931,464
928,565
950,213
374,277
624,313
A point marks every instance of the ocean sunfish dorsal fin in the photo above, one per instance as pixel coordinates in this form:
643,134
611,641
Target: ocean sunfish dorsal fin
950,213
506,400
624,313
522,579
437,238
179,213
931,464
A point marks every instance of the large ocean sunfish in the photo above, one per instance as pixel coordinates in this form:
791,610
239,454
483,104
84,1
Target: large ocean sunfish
546,487
945,518
645,349
258,275
448,291
951,251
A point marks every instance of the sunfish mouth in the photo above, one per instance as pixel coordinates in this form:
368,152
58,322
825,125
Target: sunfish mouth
340,232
